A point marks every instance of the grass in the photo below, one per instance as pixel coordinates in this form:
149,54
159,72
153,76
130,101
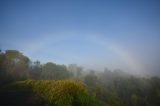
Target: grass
51,92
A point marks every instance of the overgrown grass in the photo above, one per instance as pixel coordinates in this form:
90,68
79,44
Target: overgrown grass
63,92
58,93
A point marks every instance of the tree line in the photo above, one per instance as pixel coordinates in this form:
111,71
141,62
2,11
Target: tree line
113,88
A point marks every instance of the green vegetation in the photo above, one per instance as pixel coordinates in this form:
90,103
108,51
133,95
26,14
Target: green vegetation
63,92
27,83
56,93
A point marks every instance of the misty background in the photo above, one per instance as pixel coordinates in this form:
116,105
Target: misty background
94,34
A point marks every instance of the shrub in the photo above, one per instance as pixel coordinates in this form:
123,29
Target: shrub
63,92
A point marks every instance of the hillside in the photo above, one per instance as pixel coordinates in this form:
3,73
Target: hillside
46,92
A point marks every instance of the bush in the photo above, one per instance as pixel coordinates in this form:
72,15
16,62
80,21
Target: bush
63,92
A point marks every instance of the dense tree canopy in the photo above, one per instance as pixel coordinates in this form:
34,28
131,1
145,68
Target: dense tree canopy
13,66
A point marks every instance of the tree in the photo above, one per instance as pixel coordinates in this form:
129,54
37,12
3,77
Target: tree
13,65
35,70
91,79
53,71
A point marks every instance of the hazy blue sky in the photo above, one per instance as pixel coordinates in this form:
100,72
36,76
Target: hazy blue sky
121,34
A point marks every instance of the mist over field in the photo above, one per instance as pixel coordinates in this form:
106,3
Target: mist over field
97,52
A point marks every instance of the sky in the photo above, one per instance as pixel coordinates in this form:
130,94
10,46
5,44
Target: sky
117,34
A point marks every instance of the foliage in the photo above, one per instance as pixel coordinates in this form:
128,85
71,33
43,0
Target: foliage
54,71
63,92
13,66
114,88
